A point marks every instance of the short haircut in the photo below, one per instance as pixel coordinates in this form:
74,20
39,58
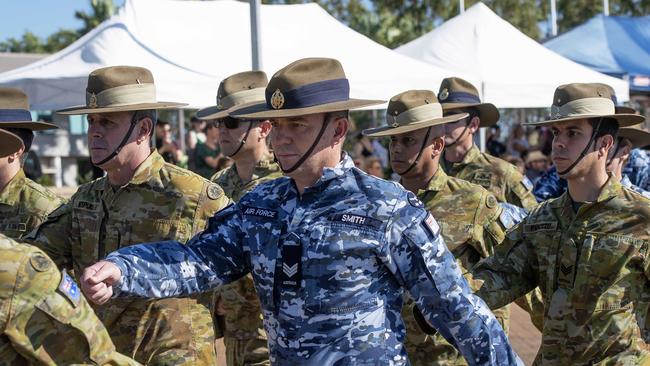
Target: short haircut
152,114
26,135
337,114
608,126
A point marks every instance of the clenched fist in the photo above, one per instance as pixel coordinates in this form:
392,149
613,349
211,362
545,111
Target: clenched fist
97,281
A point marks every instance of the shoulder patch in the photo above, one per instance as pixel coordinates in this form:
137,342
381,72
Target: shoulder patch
483,179
68,288
491,201
431,225
214,192
39,262
414,201
540,226
527,183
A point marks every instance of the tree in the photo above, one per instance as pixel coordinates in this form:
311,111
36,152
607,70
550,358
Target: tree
575,12
101,10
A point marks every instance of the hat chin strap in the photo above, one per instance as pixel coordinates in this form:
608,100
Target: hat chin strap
461,134
585,150
117,150
309,151
417,158
243,141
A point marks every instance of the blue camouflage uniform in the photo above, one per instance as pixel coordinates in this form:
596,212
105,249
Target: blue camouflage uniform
626,182
637,169
330,267
549,185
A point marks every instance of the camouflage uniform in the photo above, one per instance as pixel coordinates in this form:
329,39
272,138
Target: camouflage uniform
161,202
593,269
496,175
43,317
244,335
24,204
329,267
472,223
549,185
500,178
637,169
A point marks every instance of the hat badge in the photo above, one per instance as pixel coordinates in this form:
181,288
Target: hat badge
277,99
92,101
444,94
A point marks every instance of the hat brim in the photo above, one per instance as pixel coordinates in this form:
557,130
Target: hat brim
639,138
29,125
215,112
83,109
624,120
487,112
624,109
10,143
261,110
391,131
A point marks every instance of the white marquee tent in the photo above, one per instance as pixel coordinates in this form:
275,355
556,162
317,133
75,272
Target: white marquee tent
191,45
514,71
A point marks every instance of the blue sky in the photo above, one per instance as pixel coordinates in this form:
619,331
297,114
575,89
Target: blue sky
42,17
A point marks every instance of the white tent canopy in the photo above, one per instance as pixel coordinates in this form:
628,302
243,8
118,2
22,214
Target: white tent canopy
514,71
190,46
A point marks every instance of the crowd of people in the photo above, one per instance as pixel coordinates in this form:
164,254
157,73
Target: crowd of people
296,252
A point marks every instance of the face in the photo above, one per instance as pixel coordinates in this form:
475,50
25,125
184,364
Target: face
105,133
233,133
458,131
292,137
569,139
212,132
163,131
539,165
375,169
404,149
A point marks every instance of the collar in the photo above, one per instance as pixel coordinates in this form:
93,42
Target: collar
331,173
146,173
436,183
10,194
262,168
625,181
472,154
611,189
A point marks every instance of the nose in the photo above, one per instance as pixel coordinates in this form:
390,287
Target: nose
94,131
279,136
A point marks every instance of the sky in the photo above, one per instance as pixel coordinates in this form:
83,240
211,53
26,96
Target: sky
41,17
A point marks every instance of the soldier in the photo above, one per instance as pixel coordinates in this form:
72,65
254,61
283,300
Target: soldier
628,139
463,160
471,221
141,198
330,248
24,204
243,140
586,250
43,317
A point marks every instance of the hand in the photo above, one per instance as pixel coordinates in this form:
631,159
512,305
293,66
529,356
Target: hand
97,281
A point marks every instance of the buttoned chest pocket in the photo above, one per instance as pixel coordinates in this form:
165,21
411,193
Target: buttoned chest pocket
146,230
87,223
261,238
342,263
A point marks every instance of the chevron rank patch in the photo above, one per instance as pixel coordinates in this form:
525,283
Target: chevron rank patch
291,262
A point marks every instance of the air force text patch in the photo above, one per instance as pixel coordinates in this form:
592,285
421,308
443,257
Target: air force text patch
260,212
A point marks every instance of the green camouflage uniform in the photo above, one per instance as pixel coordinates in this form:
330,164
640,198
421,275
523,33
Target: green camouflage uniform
24,204
496,175
468,216
44,319
161,202
507,185
593,269
244,336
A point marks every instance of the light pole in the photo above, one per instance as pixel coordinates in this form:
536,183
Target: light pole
256,39
554,18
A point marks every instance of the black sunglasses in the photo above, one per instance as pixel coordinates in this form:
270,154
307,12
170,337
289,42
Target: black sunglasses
231,123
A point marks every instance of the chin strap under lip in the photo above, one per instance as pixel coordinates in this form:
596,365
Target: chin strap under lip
417,158
309,151
243,141
469,120
592,139
134,121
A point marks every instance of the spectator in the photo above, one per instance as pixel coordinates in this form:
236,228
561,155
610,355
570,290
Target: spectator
206,159
517,162
517,142
536,164
363,147
167,147
194,136
373,167
493,145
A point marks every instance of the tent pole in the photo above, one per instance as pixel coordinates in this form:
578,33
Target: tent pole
553,19
461,6
606,8
256,39
181,130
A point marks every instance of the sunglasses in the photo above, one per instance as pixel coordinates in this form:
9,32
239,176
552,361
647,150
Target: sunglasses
231,123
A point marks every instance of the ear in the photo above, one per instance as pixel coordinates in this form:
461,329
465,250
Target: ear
340,130
625,152
16,156
437,146
474,124
265,129
604,145
146,125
